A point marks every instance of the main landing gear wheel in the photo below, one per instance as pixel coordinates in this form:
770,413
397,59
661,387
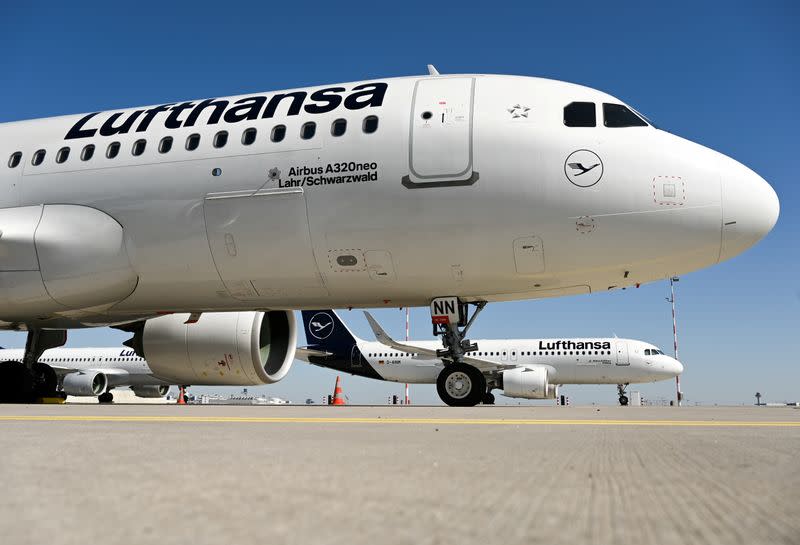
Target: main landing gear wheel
623,400
107,397
26,381
461,385
488,398
16,383
45,380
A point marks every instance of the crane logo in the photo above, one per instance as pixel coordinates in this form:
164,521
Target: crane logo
320,325
583,168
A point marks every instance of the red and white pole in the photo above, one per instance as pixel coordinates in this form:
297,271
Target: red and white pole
408,319
678,394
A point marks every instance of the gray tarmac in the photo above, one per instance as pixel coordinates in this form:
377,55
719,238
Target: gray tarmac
134,474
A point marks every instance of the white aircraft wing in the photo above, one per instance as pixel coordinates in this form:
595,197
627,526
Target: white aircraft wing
62,370
381,336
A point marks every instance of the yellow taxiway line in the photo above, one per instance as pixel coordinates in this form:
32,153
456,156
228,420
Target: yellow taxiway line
412,421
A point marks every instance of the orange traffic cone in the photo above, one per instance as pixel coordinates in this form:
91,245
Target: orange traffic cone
181,396
338,396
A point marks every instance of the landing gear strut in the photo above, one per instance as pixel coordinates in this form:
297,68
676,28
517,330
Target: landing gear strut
623,399
459,384
24,382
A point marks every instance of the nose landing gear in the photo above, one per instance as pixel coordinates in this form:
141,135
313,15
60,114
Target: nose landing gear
458,384
623,399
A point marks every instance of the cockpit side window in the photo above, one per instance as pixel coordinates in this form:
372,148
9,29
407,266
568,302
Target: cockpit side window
646,351
580,114
617,115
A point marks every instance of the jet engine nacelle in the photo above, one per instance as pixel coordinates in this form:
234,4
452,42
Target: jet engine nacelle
150,390
88,383
220,348
529,382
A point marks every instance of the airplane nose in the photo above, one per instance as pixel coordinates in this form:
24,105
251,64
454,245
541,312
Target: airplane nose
670,367
750,209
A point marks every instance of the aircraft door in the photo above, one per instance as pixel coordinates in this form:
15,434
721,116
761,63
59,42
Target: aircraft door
622,353
440,141
356,359
261,244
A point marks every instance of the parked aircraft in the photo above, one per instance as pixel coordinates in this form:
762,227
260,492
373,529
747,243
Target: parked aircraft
386,192
95,372
523,368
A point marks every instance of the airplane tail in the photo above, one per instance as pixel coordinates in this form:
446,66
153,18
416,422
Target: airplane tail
326,331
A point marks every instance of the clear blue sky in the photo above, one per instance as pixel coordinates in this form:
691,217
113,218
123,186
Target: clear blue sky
723,74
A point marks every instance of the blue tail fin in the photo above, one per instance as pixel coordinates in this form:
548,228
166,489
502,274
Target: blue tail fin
325,331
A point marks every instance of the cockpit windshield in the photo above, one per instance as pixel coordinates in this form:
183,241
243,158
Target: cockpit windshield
619,115
653,352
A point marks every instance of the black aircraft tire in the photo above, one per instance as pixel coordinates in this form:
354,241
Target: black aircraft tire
623,400
16,383
106,397
460,385
488,398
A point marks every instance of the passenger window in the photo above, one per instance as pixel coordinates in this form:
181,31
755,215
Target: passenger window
617,115
62,155
138,147
165,145
370,124
278,133
87,152
580,114
38,157
220,139
248,136
15,159
307,130
192,142
113,150
338,127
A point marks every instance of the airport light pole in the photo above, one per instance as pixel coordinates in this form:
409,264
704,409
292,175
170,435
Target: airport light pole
671,299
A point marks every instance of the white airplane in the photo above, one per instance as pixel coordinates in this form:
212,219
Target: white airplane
523,368
387,192
94,372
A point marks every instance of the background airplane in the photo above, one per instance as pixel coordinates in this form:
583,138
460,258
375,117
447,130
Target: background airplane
94,372
524,368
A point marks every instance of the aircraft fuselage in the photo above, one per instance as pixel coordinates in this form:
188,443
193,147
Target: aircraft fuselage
402,190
